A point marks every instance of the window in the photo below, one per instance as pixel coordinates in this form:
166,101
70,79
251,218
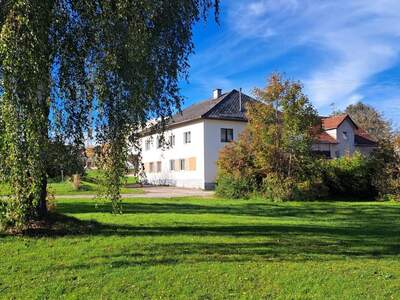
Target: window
187,137
172,140
345,136
192,164
226,135
147,144
158,166
151,167
172,165
182,164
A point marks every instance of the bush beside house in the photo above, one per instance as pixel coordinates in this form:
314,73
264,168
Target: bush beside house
273,157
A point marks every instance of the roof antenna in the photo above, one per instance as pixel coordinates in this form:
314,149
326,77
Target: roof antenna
240,99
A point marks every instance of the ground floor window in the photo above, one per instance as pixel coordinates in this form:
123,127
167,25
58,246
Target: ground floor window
172,165
192,164
182,164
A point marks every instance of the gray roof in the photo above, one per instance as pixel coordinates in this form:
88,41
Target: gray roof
226,107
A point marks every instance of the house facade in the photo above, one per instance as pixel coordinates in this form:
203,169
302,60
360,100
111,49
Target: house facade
340,136
193,139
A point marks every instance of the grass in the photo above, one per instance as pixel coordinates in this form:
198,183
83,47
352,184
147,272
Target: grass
208,249
90,185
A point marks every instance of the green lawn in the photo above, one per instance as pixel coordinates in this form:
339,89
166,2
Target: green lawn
208,249
90,184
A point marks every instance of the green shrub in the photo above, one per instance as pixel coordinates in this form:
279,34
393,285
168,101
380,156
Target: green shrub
289,189
3,212
235,188
387,186
278,189
390,197
386,178
309,190
10,214
349,175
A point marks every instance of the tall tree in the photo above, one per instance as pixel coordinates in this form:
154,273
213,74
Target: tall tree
275,148
65,62
285,123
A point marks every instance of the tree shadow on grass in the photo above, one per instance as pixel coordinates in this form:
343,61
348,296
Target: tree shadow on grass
361,220
356,231
253,209
276,242
365,215
280,243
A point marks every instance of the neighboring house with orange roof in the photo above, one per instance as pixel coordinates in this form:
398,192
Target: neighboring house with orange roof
341,136
197,134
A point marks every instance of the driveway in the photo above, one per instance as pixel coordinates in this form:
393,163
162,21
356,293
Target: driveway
172,192
156,192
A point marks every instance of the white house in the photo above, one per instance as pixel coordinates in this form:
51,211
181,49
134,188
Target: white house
195,137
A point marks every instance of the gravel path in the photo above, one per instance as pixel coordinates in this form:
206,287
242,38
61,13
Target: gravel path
156,192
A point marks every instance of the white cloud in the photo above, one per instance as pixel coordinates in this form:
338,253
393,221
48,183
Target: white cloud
358,39
257,8
354,99
337,48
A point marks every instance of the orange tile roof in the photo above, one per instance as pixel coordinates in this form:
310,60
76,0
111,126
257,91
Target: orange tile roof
363,138
325,138
335,121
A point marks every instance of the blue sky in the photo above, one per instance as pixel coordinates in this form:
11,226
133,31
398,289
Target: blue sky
342,51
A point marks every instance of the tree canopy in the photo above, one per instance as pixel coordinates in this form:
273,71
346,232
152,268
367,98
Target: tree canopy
69,65
275,148
370,119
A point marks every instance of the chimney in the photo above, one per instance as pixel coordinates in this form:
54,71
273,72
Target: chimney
240,100
217,93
